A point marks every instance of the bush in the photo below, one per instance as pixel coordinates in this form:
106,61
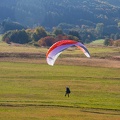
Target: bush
108,42
39,33
46,41
117,43
16,36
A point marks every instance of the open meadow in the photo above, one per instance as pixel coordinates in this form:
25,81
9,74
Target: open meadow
32,90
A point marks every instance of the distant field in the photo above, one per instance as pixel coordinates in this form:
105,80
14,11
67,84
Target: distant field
32,90
95,51
98,42
17,48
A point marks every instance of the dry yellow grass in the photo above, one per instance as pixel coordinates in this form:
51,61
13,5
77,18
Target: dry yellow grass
69,61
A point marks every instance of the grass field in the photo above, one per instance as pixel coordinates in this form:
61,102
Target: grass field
32,90
26,88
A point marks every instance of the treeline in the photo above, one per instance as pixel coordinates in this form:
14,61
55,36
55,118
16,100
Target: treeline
41,37
7,25
87,20
51,13
38,36
111,42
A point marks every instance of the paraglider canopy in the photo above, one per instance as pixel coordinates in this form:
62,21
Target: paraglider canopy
57,48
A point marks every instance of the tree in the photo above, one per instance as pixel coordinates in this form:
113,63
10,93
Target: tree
57,31
71,37
111,29
119,24
22,37
99,29
6,37
74,33
16,36
46,41
117,36
39,33
108,42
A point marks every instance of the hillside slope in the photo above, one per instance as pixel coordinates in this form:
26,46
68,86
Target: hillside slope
51,13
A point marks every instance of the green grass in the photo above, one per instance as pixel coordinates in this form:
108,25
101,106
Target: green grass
98,42
0,38
17,48
36,91
97,49
31,91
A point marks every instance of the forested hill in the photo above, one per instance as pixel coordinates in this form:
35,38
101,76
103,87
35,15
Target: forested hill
50,13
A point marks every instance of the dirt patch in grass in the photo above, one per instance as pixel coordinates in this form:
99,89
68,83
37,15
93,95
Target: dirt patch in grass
90,62
110,63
